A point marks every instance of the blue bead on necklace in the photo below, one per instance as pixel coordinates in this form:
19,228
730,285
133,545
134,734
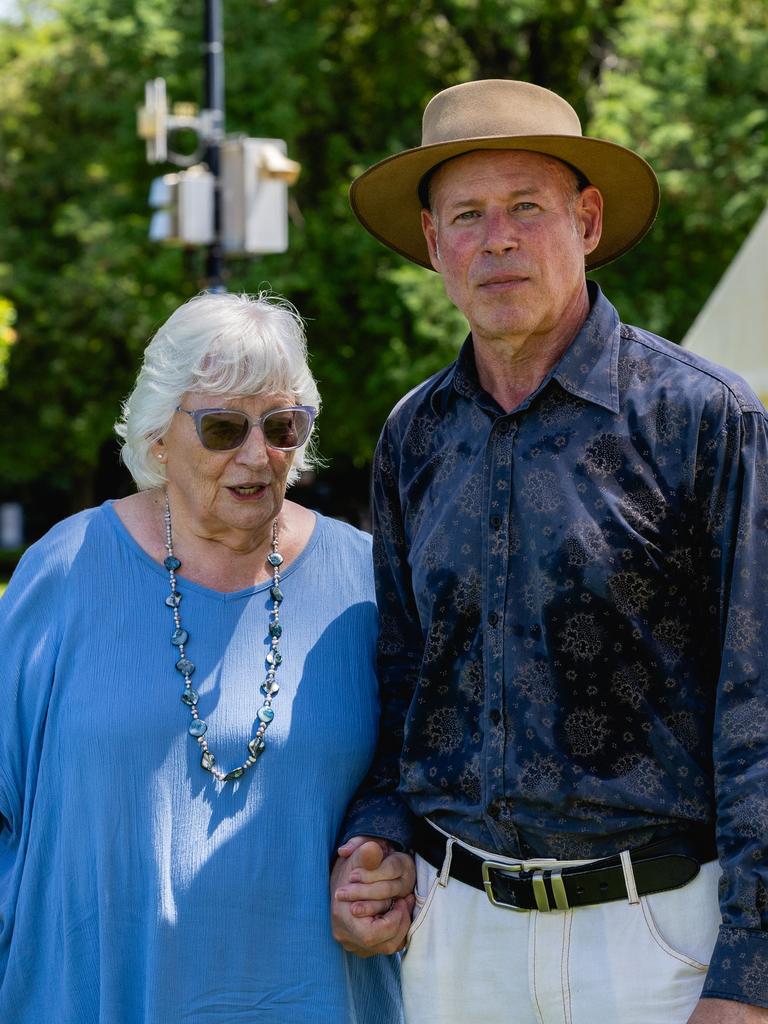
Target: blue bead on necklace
269,688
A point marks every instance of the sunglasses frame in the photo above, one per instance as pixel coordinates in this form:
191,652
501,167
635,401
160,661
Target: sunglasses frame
258,421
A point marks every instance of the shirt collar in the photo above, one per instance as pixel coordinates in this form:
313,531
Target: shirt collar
588,368
461,379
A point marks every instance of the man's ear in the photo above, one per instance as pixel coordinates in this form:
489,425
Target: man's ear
429,227
589,213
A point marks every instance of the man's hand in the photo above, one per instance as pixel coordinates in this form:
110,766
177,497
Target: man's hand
726,1011
371,896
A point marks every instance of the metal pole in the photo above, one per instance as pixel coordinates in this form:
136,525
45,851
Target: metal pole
213,51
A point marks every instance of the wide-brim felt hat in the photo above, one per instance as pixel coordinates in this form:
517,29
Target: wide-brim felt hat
508,115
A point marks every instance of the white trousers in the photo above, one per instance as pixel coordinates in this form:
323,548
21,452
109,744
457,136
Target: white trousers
616,963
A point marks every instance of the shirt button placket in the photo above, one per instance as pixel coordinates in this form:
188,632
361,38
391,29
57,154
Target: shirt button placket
498,476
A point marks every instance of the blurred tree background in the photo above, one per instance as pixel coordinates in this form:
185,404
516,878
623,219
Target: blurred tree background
684,82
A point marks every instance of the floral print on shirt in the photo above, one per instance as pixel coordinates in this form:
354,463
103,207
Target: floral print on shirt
572,645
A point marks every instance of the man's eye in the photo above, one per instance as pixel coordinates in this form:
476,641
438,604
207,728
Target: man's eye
526,206
468,215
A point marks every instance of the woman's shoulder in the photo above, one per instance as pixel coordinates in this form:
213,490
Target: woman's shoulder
344,553
339,530
55,551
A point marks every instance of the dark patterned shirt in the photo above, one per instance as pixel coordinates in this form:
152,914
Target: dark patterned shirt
572,643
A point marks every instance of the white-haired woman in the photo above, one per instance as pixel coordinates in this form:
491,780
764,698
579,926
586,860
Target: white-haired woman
188,703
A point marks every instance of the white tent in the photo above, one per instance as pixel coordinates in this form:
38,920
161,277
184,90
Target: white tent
732,328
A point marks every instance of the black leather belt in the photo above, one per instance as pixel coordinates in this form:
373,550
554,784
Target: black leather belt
657,867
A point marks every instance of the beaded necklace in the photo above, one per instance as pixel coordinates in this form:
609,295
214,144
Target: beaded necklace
269,688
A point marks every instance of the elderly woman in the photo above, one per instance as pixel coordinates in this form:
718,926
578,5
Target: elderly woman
188,703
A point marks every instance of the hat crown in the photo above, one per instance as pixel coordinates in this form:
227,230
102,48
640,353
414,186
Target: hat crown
496,107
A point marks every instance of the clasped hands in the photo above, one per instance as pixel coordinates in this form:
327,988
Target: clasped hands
371,896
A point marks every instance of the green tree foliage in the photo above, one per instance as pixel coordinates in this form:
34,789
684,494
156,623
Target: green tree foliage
87,285
344,84
686,84
7,336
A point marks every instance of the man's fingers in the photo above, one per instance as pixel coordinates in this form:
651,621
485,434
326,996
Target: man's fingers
355,842
379,908
348,848
371,908
385,872
386,890
379,934
396,865
367,857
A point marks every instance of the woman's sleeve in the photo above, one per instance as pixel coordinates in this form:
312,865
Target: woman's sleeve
30,624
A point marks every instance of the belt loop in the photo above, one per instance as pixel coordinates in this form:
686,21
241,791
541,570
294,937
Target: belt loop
629,877
445,870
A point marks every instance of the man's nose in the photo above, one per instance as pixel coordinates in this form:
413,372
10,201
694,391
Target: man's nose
501,232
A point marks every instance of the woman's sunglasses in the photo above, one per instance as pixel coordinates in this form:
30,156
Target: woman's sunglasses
222,430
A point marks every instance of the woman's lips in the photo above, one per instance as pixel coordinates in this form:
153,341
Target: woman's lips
247,492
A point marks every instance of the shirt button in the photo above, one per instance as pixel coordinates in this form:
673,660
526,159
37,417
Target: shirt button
495,522
494,809
495,716
493,618
503,429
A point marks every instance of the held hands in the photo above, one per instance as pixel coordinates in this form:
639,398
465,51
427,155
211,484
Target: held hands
371,896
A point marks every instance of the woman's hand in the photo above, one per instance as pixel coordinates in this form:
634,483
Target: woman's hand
371,896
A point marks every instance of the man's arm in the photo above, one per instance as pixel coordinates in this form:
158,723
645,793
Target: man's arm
733,495
378,809
378,814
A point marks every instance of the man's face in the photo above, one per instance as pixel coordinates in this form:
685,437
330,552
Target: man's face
508,231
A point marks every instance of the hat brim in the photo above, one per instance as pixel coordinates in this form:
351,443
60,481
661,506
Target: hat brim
386,202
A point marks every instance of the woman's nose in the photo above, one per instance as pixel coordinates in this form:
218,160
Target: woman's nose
253,451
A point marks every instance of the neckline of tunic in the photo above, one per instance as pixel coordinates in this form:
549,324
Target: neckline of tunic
128,540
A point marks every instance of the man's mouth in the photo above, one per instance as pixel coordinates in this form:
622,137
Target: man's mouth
502,279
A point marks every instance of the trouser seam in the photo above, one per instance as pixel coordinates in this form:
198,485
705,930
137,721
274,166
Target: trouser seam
565,977
533,972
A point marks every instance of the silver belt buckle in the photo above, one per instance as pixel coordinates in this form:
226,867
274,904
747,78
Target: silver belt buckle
539,873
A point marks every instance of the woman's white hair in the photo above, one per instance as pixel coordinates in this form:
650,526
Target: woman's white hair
215,344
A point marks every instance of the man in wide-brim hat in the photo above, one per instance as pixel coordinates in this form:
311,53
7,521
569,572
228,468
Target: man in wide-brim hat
570,544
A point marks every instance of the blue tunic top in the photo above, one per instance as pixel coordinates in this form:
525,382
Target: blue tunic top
133,887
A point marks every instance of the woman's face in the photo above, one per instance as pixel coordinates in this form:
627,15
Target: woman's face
216,493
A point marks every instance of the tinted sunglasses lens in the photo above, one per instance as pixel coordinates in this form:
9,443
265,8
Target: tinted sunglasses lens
221,431
287,428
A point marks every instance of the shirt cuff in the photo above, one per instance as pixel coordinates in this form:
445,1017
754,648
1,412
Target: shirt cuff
385,817
739,967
